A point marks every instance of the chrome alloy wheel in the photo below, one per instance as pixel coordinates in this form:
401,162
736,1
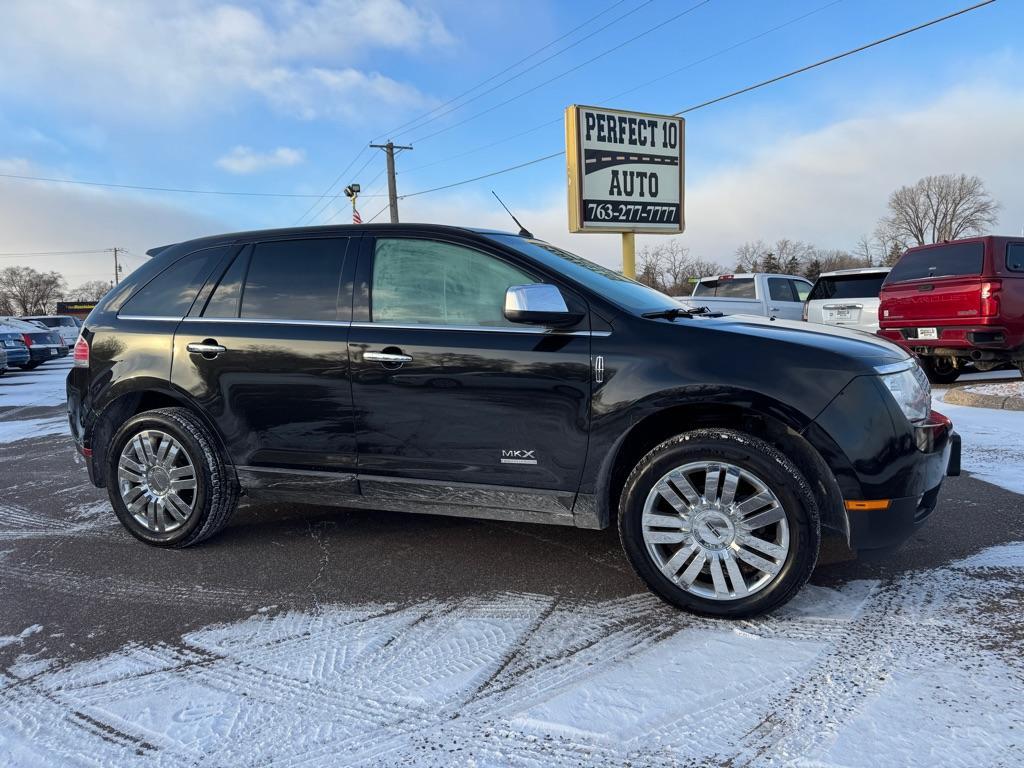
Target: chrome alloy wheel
157,481
725,542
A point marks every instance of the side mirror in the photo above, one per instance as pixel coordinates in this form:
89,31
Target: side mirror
538,304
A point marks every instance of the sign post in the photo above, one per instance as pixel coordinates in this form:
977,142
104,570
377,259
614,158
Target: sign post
625,174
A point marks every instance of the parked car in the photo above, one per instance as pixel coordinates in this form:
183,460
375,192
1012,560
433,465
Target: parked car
474,373
3,361
14,347
64,325
957,302
760,293
43,344
847,297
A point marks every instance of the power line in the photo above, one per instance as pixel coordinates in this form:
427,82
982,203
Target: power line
674,72
569,71
153,189
532,67
54,253
794,72
837,57
331,185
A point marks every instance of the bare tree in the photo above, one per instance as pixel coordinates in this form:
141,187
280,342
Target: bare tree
669,267
27,292
94,290
749,256
939,208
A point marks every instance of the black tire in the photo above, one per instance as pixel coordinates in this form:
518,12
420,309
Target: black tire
940,370
216,492
755,456
30,366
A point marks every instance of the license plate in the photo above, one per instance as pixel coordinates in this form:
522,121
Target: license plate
53,352
927,333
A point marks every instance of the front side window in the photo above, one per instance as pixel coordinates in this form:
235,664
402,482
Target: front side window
293,280
432,283
171,293
1015,257
802,289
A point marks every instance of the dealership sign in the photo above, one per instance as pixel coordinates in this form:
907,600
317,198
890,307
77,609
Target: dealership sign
625,171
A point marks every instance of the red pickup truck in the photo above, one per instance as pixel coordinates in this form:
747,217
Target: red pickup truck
957,302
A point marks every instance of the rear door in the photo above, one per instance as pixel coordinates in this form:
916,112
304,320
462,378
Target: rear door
266,357
783,299
936,286
479,401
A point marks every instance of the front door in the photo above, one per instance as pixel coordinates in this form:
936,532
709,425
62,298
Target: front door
267,356
463,398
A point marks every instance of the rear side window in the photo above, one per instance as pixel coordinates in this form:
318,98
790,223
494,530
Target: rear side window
733,288
171,293
780,289
953,260
225,299
802,289
294,280
864,286
1015,257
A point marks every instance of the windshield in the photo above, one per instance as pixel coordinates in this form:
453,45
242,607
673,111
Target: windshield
613,286
862,286
953,260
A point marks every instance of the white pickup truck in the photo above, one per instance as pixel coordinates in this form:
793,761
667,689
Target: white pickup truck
751,293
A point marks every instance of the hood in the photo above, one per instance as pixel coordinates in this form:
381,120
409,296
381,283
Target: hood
830,339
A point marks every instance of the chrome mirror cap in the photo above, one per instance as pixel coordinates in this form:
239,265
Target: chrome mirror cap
538,304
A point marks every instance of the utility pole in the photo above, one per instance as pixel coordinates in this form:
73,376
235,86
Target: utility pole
117,267
390,148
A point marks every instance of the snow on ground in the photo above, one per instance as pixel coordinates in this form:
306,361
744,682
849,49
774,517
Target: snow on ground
1005,389
11,431
992,442
921,670
40,387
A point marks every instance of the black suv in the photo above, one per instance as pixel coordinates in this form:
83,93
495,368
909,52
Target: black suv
465,372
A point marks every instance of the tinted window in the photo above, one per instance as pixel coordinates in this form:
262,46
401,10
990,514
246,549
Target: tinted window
422,281
49,322
951,260
1015,257
224,301
294,280
732,288
780,289
603,281
866,286
171,293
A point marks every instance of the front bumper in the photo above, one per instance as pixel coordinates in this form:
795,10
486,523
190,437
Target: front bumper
887,528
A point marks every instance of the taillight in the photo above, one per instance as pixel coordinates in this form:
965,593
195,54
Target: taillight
81,353
989,297
803,316
27,339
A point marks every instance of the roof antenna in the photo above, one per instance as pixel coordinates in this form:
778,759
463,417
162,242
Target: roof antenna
523,231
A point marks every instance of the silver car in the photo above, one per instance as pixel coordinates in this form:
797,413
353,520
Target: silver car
847,297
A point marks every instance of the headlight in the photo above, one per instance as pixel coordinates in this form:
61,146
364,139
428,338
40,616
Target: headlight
909,386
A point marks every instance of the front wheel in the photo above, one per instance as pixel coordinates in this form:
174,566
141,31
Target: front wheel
720,523
167,481
940,370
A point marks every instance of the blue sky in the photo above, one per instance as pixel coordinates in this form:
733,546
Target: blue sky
280,96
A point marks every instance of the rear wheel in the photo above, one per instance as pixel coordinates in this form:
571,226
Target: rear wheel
167,480
30,366
720,523
940,370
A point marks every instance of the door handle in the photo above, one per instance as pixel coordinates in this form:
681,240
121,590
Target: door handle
386,357
208,349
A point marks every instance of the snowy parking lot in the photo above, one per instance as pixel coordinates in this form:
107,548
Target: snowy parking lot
324,637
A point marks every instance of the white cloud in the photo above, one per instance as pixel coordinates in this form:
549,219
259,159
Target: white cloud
827,186
148,59
244,160
37,216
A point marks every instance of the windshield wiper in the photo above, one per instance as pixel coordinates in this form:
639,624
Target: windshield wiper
672,313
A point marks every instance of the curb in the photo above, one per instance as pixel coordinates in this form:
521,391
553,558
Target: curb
960,396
